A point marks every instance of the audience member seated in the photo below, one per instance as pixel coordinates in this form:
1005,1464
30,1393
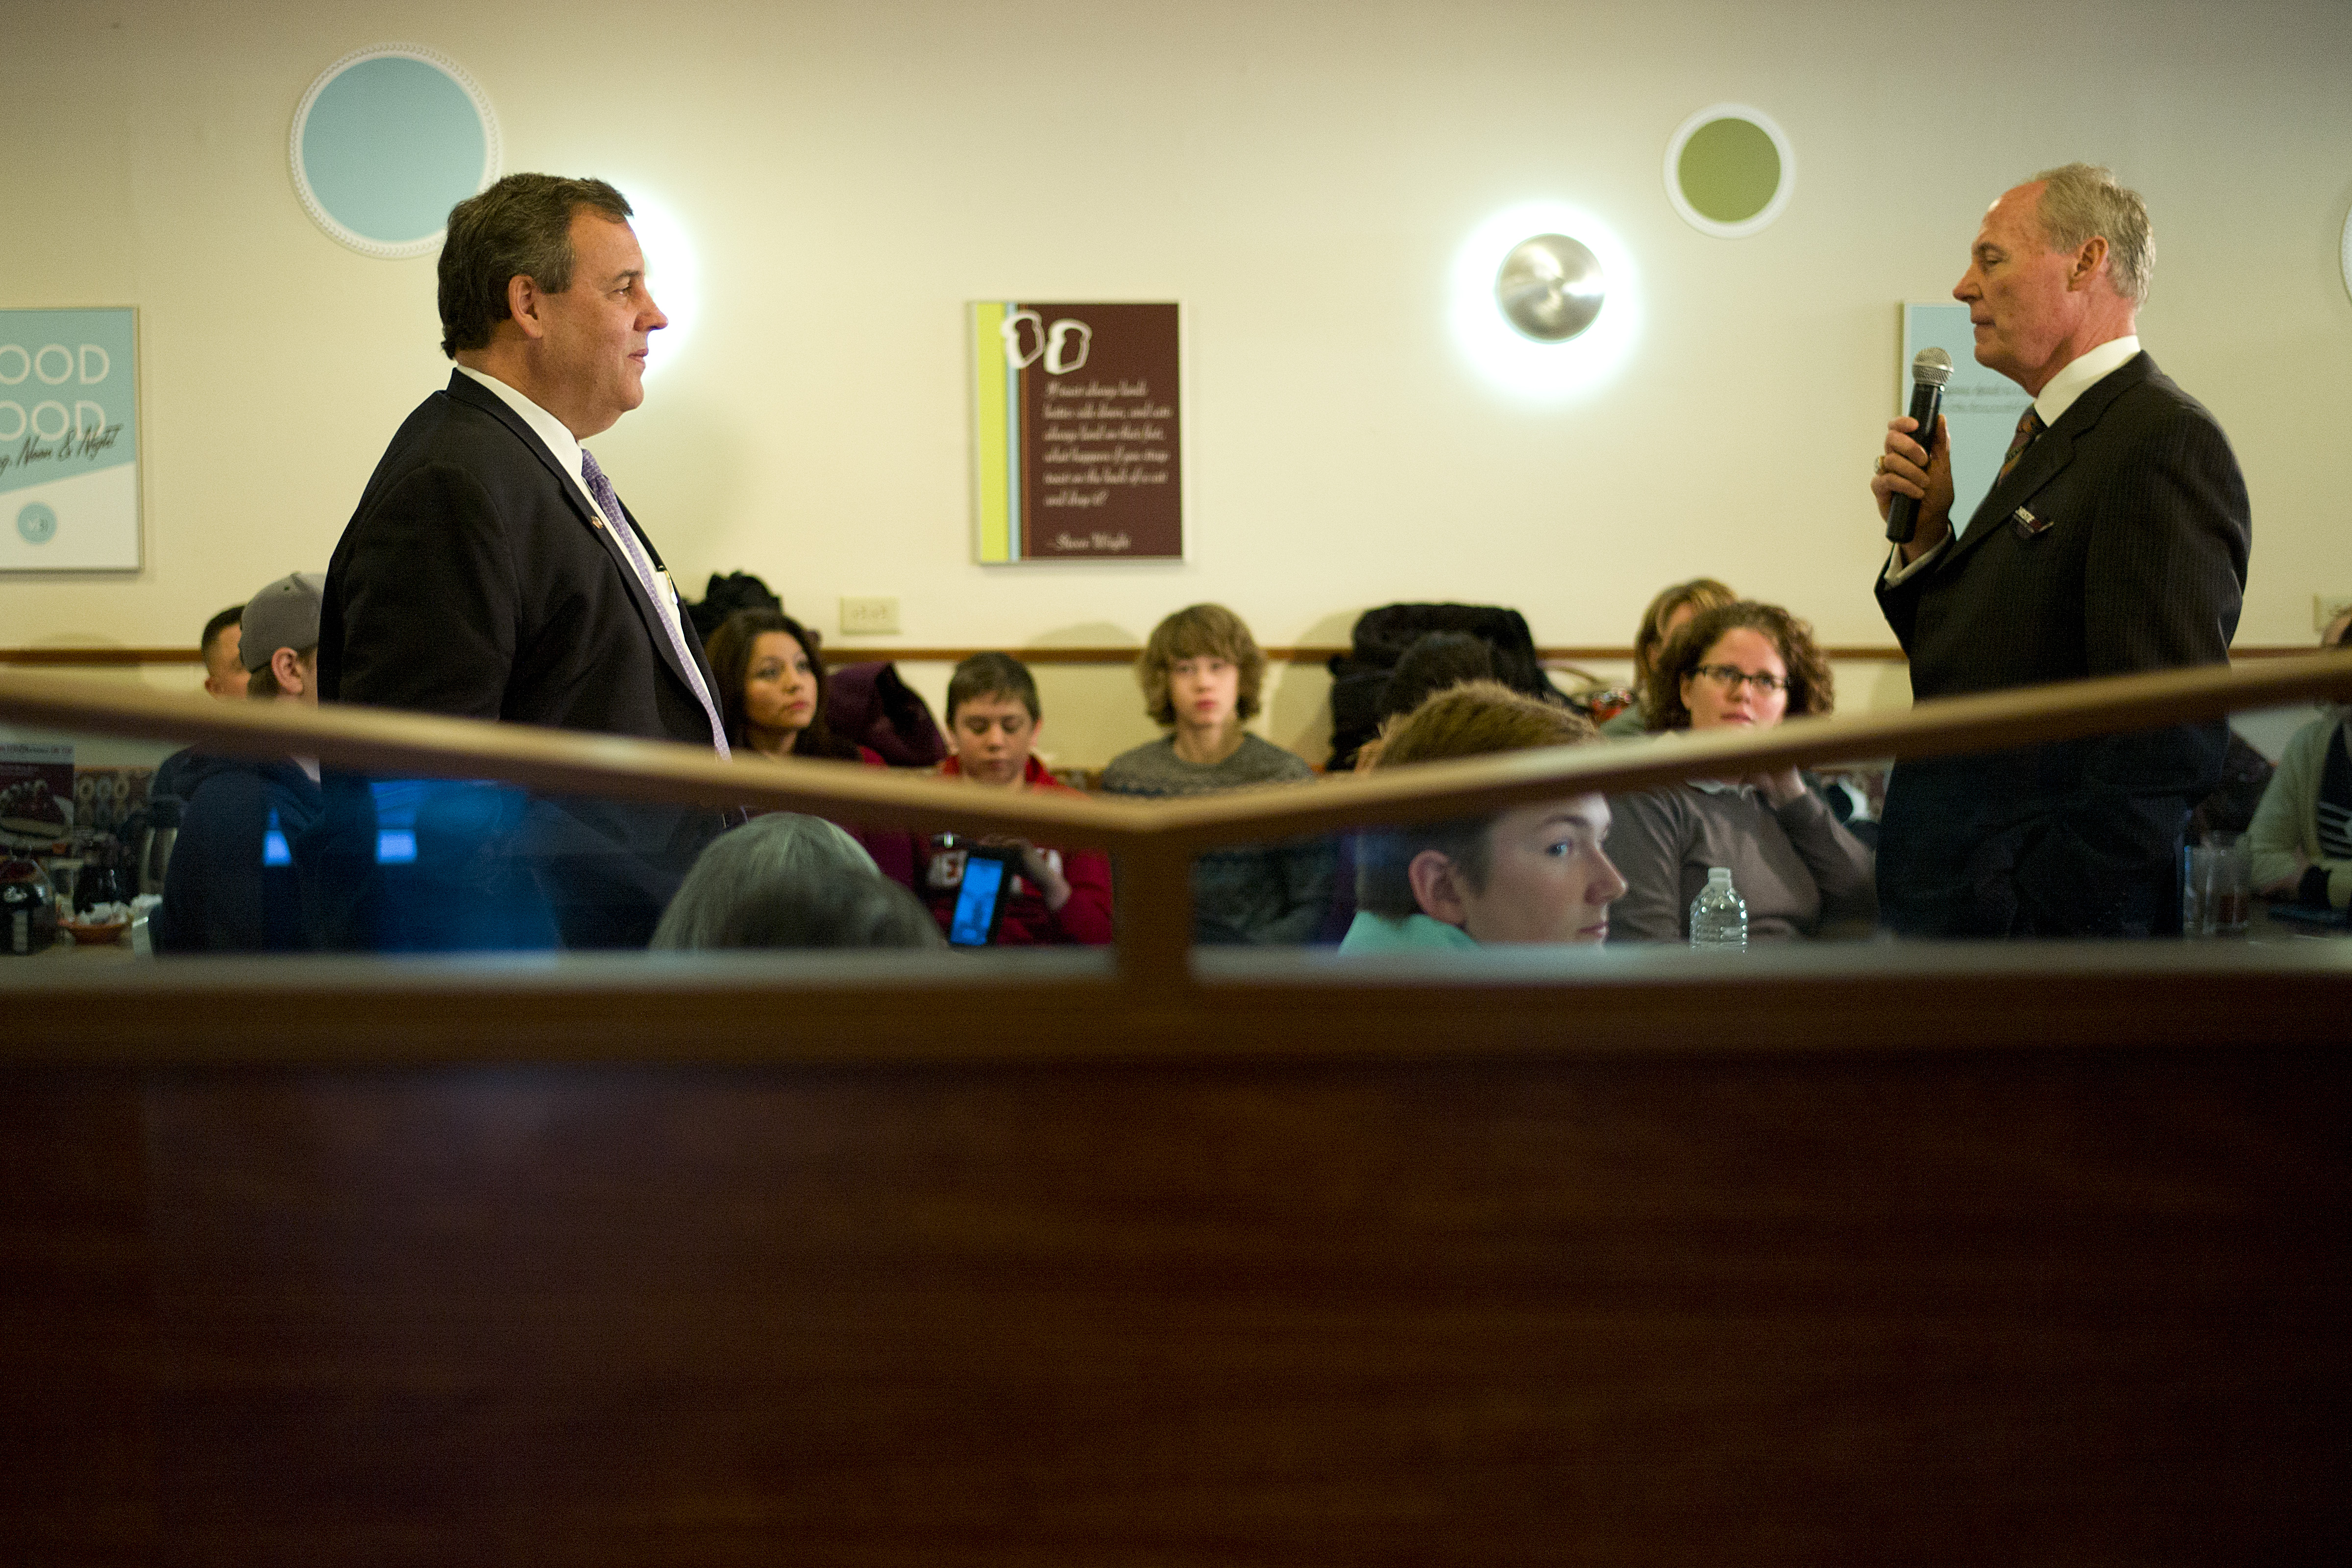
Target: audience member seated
1434,663
1743,666
770,674
1532,874
788,881
224,678
1380,638
219,896
1431,665
1058,894
2302,834
224,674
1668,612
1202,674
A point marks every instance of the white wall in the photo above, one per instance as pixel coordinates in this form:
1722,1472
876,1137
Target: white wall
1298,174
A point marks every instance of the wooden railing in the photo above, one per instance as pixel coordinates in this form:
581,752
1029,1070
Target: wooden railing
1155,842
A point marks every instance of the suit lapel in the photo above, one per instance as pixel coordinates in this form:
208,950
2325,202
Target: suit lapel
466,390
2048,457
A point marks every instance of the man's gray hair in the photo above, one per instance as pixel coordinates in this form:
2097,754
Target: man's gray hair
786,880
2083,199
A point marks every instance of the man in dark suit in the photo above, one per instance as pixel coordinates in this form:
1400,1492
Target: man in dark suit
490,569
2115,541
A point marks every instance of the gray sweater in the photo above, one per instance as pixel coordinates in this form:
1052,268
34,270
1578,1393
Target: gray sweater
1255,893
1799,871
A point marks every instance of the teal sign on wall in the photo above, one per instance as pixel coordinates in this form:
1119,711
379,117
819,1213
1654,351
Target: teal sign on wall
386,142
1981,407
70,440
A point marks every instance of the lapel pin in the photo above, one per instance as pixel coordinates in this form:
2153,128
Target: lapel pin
2028,525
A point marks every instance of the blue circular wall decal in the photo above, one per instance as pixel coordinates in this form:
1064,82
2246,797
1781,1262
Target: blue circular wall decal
386,142
37,523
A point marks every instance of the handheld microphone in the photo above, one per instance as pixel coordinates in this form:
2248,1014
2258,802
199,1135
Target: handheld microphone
1930,368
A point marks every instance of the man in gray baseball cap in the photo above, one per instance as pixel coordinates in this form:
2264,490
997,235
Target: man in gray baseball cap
280,643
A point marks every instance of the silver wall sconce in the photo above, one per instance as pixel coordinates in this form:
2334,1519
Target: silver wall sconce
1550,286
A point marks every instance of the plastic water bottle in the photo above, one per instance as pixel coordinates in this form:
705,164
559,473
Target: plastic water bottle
1718,916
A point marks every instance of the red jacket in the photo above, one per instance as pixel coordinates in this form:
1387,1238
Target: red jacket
1085,920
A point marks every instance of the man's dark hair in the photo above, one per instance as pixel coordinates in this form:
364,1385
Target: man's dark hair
992,675
1435,660
232,616
261,681
521,227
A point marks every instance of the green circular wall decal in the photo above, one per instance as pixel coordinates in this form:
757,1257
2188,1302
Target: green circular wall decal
1729,170
386,140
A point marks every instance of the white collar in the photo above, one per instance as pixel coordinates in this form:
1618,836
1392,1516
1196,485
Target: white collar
543,424
2081,373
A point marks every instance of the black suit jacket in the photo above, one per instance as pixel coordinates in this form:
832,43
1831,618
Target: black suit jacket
475,579
2118,543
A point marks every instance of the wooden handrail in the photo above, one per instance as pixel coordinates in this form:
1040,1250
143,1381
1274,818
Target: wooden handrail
1155,841
1990,721
383,741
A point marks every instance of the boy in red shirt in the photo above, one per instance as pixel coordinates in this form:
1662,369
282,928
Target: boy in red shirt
1057,895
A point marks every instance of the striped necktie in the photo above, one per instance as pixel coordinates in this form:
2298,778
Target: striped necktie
609,502
2027,429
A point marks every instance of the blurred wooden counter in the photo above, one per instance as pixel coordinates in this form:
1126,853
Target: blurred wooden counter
1981,1258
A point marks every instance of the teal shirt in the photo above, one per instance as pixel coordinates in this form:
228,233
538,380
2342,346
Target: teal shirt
1414,933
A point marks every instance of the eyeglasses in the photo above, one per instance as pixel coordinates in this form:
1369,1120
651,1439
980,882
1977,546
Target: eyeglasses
1730,676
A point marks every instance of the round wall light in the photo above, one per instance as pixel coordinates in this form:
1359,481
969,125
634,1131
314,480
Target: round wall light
1544,301
386,142
1552,286
1729,170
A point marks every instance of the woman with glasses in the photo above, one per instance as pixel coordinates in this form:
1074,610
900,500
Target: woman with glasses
1745,666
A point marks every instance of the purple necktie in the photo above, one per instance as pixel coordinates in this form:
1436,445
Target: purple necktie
609,504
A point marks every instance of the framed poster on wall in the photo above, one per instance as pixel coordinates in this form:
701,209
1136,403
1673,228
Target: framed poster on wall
1078,449
70,440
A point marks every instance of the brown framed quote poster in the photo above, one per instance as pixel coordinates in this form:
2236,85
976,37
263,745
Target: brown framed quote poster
1077,448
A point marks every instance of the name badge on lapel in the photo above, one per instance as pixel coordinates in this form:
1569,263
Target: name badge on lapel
2029,526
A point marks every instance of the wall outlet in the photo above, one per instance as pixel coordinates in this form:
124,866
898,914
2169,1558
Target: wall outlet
2325,607
868,616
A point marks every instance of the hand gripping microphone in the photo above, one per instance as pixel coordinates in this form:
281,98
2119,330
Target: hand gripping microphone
1930,368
